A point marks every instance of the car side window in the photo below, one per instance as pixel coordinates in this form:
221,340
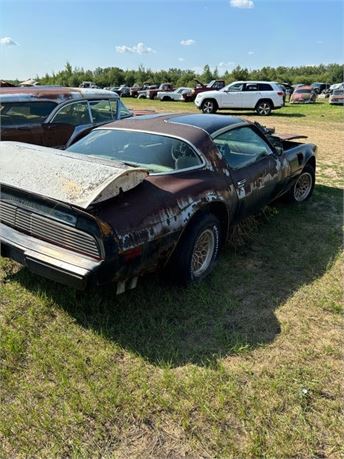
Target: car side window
241,147
101,111
264,87
124,112
236,87
25,113
251,87
75,114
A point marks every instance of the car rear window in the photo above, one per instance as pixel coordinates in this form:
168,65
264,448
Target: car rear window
155,152
24,113
303,91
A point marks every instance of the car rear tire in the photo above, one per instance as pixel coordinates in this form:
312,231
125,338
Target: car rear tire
197,251
209,106
264,107
166,99
303,188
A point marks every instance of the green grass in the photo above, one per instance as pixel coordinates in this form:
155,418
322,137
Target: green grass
247,364
321,111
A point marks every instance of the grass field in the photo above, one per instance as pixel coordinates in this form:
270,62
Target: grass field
321,111
248,364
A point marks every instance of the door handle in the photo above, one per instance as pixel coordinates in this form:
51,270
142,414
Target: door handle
241,182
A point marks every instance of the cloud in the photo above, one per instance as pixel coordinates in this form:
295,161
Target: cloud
223,66
241,3
7,41
188,42
250,53
181,59
140,48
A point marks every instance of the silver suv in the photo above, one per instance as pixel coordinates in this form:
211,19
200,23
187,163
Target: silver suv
261,96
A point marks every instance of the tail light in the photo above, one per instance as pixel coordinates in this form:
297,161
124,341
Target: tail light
280,93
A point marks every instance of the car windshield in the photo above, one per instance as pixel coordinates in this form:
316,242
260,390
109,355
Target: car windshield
210,84
156,153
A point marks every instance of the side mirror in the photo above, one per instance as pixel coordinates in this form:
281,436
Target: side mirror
279,151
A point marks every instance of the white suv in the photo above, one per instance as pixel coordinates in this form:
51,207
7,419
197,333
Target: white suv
261,96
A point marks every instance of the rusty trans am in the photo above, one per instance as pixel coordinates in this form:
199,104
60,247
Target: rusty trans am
146,194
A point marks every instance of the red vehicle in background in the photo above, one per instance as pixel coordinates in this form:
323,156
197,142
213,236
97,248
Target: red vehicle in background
303,95
214,85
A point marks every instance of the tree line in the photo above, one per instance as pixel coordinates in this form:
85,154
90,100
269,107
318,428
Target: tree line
114,76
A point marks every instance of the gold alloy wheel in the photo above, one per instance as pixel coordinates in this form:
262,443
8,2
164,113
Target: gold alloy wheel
303,187
203,252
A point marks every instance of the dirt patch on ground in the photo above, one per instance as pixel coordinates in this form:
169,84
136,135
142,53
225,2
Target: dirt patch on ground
329,137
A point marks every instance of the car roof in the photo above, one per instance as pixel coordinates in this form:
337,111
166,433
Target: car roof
171,122
52,93
193,128
253,82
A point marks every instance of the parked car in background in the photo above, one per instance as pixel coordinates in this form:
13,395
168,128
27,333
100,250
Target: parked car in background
213,85
337,97
88,84
136,88
320,87
142,195
261,96
303,95
178,94
152,91
142,93
122,90
56,116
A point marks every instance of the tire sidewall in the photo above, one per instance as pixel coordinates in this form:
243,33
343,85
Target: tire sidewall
215,228
264,102
309,170
213,106
179,267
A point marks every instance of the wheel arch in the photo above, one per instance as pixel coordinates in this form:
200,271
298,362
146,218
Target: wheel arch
217,208
212,99
265,99
311,161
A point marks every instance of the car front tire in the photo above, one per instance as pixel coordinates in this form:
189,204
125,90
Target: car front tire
209,106
197,251
303,188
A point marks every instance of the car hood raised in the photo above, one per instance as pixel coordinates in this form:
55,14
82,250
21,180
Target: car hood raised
64,176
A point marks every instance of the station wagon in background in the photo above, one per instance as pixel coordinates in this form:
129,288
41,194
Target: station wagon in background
150,193
56,116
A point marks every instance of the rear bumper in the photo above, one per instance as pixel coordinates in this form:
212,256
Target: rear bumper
47,260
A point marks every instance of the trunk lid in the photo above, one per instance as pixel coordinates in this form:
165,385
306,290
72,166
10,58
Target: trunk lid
67,177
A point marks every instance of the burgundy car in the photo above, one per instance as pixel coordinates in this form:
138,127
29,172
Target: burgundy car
152,91
143,194
214,85
56,116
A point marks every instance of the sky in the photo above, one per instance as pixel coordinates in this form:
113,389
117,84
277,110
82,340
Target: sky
40,36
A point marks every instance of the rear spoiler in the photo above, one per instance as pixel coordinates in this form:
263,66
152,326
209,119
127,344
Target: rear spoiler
71,178
271,131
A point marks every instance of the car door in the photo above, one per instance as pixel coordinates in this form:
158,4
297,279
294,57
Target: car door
253,166
231,96
71,118
22,121
250,95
